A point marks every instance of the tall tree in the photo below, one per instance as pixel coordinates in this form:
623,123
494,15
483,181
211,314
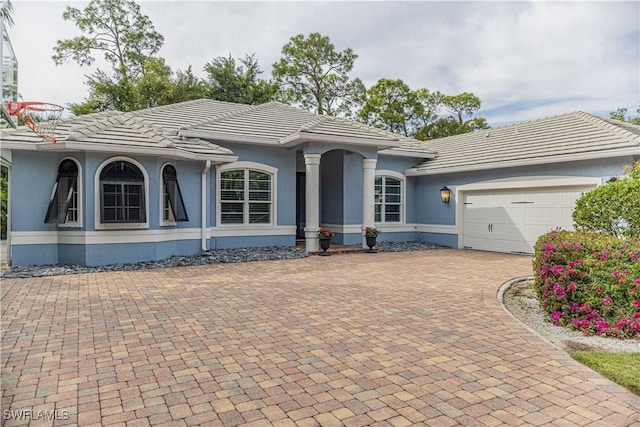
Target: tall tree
187,86
311,73
117,29
238,81
157,86
392,105
621,114
122,34
455,124
464,103
449,126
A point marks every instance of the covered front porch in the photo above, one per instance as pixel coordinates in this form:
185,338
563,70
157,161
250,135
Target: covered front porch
338,193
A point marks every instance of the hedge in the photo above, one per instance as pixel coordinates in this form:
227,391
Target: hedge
590,282
613,208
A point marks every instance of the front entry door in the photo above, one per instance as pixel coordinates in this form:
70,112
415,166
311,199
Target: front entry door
301,187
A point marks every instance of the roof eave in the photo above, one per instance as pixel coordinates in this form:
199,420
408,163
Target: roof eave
225,137
18,145
303,137
592,155
174,153
399,152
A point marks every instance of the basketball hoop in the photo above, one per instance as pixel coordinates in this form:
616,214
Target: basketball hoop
41,117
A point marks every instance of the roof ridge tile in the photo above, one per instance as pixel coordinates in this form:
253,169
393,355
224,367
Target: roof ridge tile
148,129
87,128
610,125
228,114
309,125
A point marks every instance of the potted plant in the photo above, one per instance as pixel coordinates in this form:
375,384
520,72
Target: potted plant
325,235
371,233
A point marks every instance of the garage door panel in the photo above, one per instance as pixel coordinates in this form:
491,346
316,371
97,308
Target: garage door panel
500,228
476,228
509,246
540,213
533,231
481,214
518,217
475,242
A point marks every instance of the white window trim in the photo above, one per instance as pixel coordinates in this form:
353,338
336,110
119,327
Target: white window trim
78,223
98,191
403,194
274,192
161,206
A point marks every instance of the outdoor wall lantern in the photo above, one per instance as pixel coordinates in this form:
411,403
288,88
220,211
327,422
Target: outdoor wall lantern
445,194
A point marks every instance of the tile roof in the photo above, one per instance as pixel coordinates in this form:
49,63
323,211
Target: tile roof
576,134
169,126
115,131
275,123
171,129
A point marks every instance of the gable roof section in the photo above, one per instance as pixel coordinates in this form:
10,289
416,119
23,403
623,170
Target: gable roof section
193,129
567,137
116,132
278,124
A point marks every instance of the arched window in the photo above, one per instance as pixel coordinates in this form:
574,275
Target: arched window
63,205
389,195
173,209
122,193
246,197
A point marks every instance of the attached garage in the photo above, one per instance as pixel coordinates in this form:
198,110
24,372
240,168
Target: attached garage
509,216
512,184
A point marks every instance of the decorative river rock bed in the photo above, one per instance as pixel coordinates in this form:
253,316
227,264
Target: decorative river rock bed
210,257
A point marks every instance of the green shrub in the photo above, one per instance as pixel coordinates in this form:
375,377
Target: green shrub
590,282
612,208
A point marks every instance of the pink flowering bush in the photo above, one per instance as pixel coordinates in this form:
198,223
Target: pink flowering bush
590,282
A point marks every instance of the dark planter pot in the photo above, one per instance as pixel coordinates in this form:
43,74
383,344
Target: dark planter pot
324,245
371,242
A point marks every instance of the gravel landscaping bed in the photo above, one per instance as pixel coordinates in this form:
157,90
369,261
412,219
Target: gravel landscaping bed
521,301
209,257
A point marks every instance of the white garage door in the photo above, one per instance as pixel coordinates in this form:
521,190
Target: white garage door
512,220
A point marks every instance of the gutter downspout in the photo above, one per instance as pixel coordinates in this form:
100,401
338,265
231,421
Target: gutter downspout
203,196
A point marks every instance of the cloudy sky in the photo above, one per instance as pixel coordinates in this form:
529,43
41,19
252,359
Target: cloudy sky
524,60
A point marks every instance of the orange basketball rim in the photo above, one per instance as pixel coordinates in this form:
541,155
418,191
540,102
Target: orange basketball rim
41,117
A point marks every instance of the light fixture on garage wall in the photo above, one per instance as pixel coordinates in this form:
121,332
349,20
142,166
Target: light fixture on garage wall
445,194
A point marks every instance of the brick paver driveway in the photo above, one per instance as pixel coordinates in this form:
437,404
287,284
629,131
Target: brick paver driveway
359,339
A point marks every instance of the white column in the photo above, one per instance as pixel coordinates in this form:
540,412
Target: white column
312,201
368,195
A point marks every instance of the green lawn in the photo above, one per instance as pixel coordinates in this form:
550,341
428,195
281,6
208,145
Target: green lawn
623,368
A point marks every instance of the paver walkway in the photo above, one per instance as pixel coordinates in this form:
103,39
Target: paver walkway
359,339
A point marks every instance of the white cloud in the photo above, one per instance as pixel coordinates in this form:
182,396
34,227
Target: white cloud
523,59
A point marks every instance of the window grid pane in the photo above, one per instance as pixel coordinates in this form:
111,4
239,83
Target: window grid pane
72,209
259,213
388,199
122,196
246,197
173,208
167,214
232,185
63,205
122,202
232,213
